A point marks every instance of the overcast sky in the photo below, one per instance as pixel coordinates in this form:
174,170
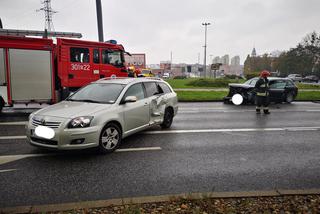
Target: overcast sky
159,27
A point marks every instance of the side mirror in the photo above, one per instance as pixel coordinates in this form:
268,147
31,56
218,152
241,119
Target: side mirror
130,99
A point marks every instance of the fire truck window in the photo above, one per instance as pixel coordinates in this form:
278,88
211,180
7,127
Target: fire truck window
96,56
79,55
112,57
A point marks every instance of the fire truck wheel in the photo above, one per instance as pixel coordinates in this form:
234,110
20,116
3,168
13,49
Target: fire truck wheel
65,93
1,104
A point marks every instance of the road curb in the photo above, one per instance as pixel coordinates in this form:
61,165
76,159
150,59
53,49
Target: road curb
154,199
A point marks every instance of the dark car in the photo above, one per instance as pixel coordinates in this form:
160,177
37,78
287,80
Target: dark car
281,90
311,78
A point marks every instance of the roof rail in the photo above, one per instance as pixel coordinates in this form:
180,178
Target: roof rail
113,78
154,78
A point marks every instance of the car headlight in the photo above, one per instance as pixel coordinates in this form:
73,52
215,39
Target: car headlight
80,122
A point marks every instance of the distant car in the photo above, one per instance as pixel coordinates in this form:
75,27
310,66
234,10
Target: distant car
295,77
311,78
146,73
102,113
166,76
281,90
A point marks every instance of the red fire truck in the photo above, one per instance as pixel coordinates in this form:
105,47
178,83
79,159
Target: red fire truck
35,70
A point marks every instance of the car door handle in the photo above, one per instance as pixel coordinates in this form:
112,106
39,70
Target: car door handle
145,104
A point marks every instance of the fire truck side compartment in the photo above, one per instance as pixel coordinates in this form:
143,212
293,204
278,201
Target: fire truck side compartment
3,81
30,75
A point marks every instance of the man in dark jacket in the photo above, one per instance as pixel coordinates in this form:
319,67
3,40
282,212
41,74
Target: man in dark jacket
262,93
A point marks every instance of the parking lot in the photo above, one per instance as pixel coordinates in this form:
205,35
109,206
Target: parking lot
210,147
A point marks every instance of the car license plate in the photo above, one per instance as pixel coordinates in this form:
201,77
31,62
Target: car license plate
44,132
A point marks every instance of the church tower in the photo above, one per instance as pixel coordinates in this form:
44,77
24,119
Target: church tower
253,53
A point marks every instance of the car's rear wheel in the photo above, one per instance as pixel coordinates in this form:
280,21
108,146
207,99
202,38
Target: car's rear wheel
110,138
167,118
289,97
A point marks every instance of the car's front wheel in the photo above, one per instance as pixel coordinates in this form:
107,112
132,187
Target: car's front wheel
167,119
110,138
289,97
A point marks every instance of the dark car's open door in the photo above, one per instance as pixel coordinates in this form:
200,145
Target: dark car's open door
277,89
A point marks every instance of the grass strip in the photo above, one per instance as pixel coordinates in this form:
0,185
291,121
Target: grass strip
193,96
307,86
218,83
198,96
308,95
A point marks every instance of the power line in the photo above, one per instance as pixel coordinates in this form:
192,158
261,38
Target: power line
48,12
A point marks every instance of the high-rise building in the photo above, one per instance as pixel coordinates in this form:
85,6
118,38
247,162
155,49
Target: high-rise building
216,60
225,60
235,60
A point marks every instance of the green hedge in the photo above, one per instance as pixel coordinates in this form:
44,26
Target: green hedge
214,83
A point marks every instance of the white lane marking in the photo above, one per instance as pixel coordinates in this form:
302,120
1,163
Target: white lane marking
12,137
239,111
8,170
139,149
294,130
200,108
10,158
301,128
212,130
180,131
216,111
17,123
232,130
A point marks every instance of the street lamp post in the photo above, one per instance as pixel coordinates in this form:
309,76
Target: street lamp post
205,49
99,19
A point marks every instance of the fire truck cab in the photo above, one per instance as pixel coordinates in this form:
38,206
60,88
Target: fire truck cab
81,62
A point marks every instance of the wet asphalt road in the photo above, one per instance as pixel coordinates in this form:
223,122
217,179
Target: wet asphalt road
210,147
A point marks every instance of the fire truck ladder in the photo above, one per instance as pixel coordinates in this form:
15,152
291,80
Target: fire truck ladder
13,32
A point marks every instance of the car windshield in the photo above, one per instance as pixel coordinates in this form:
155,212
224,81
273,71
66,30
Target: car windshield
98,93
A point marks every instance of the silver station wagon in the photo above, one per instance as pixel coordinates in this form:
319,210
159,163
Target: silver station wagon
102,113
